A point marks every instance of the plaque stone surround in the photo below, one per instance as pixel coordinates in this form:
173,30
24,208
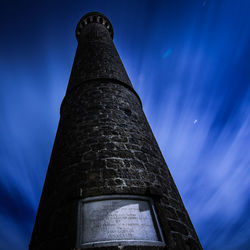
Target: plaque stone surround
118,220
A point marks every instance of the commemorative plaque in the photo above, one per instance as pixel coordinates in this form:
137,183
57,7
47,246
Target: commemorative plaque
118,220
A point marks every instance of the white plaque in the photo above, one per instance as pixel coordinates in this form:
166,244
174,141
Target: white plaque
118,220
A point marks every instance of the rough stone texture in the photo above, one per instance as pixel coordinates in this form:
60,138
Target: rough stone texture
96,57
104,145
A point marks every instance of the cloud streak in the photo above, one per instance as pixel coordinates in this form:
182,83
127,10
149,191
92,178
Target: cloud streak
188,61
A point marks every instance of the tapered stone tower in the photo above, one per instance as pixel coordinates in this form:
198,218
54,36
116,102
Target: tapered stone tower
107,184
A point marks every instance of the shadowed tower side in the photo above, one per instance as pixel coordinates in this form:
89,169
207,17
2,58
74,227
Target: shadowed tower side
107,184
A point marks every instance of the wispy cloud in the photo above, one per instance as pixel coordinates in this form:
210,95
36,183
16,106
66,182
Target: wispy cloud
190,65
167,53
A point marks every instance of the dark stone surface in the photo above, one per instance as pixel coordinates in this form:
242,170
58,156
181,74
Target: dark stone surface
104,145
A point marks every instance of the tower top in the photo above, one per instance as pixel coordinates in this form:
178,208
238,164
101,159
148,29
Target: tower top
94,17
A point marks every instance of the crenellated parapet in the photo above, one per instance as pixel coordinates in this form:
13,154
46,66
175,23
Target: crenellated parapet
94,17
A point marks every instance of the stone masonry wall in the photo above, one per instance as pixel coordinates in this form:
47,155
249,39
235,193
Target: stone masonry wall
104,145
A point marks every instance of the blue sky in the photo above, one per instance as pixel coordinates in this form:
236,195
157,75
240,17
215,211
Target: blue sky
188,61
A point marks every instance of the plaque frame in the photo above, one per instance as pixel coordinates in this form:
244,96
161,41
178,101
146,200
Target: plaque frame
120,243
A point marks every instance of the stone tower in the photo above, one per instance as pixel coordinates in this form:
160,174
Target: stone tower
107,184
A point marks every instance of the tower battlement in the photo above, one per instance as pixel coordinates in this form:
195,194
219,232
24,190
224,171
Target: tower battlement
94,17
